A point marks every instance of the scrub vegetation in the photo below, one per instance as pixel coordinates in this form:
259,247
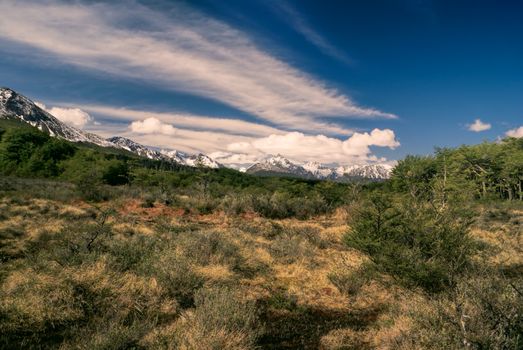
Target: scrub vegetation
102,250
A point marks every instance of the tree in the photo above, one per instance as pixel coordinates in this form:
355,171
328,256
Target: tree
415,242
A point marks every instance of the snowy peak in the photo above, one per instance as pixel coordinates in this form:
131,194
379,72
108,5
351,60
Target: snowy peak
174,155
198,160
367,171
18,107
318,170
134,147
277,165
202,160
314,170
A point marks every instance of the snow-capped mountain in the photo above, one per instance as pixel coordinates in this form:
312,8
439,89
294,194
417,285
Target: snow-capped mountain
202,160
134,147
18,107
275,165
174,155
366,171
318,170
197,160
278,165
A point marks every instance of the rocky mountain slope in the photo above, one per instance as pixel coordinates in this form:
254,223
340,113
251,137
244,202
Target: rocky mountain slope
18,107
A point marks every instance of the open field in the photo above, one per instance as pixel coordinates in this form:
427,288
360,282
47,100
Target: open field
131,273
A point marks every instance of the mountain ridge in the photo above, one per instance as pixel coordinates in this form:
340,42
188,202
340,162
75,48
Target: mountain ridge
274,165
16,106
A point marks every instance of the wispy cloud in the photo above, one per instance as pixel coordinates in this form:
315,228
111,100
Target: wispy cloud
185,120
155,133
186,51
300,25
479,126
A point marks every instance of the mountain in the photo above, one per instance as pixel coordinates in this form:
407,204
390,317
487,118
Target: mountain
278,165
197,160
174,155
319,171
202,160
367,171
18,107
134,147
14,106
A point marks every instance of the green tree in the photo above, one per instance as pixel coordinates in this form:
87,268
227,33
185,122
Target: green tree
415,242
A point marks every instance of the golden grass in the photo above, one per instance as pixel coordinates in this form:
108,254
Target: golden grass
215,272
42,296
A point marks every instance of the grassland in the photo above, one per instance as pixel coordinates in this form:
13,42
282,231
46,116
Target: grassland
133,271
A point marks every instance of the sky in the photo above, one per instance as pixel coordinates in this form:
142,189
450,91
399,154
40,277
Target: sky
337,82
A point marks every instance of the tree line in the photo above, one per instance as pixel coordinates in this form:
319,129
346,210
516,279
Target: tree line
490,170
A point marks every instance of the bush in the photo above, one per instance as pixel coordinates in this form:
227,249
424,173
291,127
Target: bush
291,248
282,205
486,312
414,242
116,172
351,282
174,274
219,321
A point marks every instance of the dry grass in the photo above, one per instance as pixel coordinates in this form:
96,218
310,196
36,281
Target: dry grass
170,256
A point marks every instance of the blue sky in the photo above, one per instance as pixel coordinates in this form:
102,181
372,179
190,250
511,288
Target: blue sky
332,81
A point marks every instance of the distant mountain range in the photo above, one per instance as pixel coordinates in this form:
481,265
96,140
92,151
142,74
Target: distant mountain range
279,165
18,107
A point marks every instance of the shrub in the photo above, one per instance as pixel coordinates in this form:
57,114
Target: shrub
351,282
205,248
219,321
116,172
236,204
291,248
174,274
35,308
486,312
415,242
282,205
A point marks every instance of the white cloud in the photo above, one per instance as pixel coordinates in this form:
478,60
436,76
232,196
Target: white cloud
160,134
240,150
152,126
72,116
517,132
235,160
185,52
301,147
478,126
358,144
190,121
